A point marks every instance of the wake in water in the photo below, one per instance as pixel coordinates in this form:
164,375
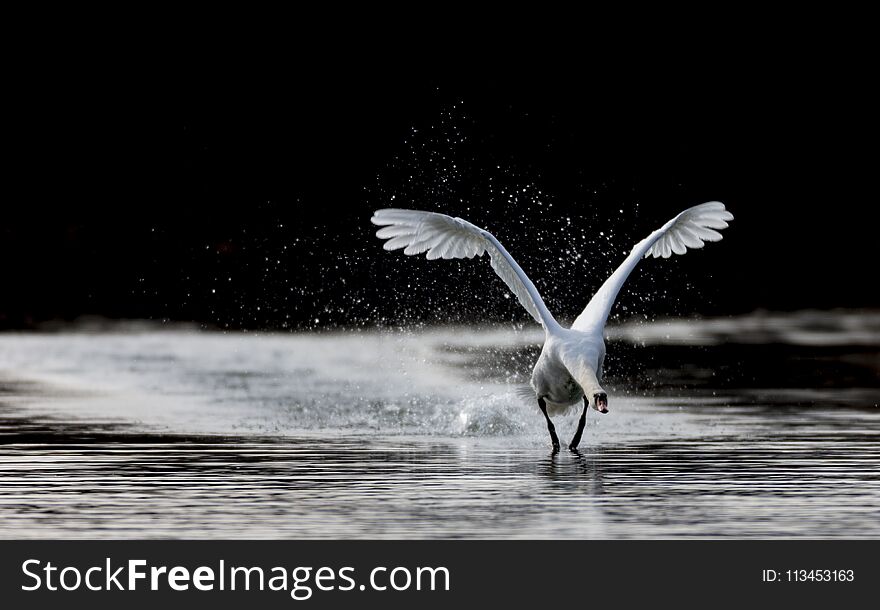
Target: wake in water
237,383
437,382
360,383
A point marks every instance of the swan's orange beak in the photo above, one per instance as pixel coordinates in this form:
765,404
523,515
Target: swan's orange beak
600,402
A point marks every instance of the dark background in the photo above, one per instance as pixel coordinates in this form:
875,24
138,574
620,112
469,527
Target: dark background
236,191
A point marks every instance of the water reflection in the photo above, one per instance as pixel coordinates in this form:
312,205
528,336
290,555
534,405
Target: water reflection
109,484
210,436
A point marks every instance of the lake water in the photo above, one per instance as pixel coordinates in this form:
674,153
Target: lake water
758,426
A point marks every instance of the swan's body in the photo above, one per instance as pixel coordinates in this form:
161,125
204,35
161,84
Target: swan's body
555,382
570,365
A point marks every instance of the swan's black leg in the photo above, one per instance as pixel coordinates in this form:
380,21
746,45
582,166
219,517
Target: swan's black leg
577,435
550,427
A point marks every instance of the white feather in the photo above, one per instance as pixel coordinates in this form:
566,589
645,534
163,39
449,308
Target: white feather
689,229
526,392
442,236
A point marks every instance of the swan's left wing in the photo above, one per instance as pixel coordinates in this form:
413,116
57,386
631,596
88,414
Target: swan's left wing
690,229
442,236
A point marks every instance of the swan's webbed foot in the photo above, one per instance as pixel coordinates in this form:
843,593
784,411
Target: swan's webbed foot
553,438
580,431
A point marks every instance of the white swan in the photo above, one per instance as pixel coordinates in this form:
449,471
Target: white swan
570,365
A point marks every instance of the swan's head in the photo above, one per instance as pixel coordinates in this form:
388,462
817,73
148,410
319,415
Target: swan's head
600,402
584,372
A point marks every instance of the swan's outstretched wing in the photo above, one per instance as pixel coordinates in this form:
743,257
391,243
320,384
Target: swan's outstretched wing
690,229
442,236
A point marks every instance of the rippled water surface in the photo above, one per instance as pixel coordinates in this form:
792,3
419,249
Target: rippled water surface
715,430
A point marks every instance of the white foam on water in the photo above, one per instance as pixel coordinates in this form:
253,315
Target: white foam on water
388,383
416,382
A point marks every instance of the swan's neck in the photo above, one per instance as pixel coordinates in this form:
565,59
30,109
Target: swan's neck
551,327
584,372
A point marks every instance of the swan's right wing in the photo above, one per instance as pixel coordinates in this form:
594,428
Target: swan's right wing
442,236
689,229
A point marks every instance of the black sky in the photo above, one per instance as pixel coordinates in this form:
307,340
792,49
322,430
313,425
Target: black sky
238,194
